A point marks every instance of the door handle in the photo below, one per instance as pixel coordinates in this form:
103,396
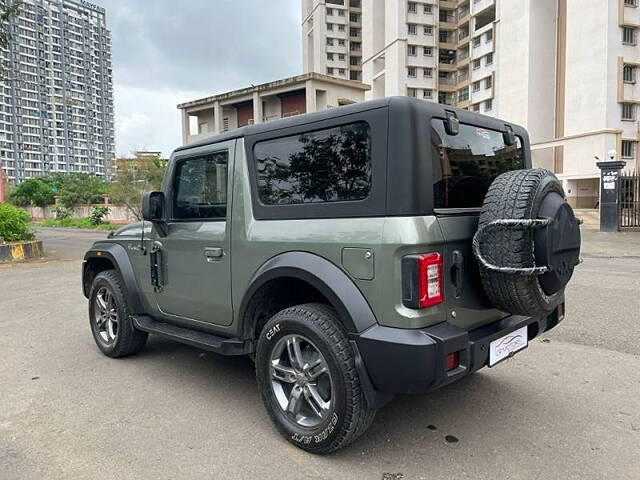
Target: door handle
213,253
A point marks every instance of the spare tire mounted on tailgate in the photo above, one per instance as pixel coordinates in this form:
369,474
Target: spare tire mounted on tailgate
527,243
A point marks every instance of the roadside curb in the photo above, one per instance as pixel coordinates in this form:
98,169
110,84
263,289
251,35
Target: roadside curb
14,252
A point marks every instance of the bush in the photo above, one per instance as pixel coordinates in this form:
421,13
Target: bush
97,214
14,223
62,213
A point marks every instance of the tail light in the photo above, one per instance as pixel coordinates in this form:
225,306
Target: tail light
422,280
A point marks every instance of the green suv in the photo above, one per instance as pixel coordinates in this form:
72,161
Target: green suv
385,247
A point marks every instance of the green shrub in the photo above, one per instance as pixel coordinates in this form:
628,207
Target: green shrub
14,223
97,214
63,213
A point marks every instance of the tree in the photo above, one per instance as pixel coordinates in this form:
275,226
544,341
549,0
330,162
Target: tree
133,178
7,12
33,191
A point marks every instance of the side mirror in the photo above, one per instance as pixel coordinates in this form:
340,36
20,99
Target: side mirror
153,207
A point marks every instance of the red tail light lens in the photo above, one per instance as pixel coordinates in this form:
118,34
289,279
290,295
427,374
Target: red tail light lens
422,280
430,267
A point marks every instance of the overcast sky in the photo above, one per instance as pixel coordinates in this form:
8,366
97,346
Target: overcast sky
169,51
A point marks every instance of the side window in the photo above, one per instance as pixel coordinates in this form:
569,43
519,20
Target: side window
200,188
330,165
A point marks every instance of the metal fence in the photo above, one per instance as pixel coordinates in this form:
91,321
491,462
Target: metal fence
629,201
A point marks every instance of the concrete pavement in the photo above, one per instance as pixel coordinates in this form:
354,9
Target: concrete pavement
567,407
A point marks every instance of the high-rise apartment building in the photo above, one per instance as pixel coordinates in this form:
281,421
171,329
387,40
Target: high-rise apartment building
332,37
56,101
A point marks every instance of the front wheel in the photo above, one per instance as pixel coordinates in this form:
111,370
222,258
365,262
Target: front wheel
110,319
306,372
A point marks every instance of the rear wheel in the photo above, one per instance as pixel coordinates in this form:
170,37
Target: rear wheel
308,381
110,319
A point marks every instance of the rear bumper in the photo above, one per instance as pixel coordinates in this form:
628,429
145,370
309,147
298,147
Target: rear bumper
411,361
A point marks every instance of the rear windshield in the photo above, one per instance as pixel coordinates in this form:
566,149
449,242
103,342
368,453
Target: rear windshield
464,165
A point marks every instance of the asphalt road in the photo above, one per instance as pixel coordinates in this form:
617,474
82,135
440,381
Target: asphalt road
567,407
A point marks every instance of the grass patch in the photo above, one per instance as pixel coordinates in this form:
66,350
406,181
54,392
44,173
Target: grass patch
84,223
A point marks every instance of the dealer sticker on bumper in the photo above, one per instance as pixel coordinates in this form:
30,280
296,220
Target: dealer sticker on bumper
508,345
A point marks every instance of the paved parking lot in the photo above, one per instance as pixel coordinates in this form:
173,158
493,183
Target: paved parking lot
568,407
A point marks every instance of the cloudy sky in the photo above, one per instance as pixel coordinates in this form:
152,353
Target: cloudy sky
166,52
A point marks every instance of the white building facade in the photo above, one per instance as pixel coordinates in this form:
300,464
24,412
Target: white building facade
56,101
332,37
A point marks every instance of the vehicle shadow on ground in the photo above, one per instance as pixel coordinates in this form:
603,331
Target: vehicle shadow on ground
418,422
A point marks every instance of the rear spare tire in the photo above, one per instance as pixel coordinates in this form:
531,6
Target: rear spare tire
517,249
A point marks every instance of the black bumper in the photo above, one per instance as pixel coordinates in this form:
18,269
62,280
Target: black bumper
410,361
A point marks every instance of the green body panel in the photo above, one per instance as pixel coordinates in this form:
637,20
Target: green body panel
208,294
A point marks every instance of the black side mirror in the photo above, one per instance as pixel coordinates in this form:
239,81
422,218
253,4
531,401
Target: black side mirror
153,207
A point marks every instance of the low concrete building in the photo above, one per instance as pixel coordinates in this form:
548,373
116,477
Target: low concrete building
306,93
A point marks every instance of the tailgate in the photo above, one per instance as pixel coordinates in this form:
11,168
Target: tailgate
466,303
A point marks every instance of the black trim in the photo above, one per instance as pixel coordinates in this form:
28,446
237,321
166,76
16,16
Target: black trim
323,275
117,254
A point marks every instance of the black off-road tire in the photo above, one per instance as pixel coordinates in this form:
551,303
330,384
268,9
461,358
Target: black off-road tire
516,195
128,339
349,417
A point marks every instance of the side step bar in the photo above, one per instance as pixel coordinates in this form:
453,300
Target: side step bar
195,338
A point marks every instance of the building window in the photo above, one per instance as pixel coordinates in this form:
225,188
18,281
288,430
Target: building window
476,86
488,82
342,71
427,72
488,59
354,17
330,71
476,64
330,27
330,57
329,11
412,50
629,74
628,111
412,72
631,3
354,75
428,30
463,95
354,60
426,93
488,105
428,9
329,41
488,36
628,35
341,42
411,92
475,107
341,28
341,57
413,7
629,149
476,42
413,29
428,51
356,46
341,13
294,169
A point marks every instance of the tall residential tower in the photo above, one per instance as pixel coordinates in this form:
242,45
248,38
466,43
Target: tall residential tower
56,101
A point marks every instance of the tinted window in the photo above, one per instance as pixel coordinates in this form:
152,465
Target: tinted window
464,165
324,166
200,187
